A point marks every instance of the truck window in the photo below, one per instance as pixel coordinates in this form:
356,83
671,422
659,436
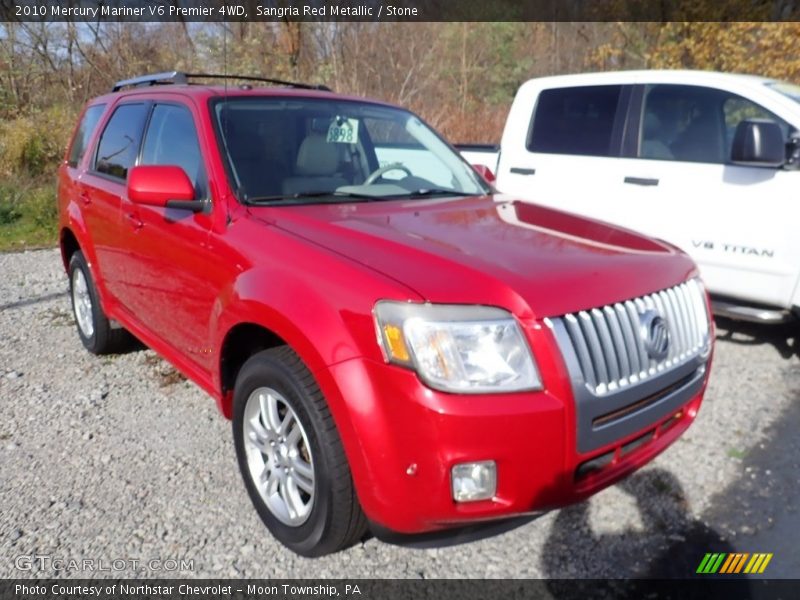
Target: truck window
84,133
736,109
119,144
576,120
693,123
171,139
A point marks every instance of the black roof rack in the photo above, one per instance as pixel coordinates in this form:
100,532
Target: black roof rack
180,78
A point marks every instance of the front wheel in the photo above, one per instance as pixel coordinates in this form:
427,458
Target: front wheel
291,458
95,330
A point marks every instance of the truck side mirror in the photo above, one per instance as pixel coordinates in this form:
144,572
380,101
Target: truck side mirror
758,143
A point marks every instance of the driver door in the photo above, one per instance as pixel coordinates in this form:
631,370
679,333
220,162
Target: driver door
173,297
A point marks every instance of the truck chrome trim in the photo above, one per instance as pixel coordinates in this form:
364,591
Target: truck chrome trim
753,314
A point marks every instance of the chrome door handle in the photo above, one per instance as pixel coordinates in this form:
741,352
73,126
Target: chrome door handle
135,220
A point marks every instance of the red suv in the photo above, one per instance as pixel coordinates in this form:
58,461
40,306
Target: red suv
396,344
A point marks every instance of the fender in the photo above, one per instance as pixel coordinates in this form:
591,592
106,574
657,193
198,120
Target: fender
341,329
325,322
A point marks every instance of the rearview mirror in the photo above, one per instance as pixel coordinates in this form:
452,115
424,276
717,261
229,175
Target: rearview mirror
758,143
162,185
484,172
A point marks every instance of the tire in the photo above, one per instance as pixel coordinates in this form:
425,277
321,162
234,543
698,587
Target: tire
312,511
93,326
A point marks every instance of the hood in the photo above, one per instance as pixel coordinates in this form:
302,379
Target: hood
530,259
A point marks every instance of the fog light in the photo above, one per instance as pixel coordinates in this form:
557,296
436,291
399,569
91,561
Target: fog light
474,481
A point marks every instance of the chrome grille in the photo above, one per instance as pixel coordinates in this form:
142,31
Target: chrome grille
610,344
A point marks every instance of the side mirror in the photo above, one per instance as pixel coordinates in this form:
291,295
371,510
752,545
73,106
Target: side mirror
484,172
162,185
758,143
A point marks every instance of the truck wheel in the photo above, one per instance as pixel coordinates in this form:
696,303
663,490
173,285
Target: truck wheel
291,458
94,328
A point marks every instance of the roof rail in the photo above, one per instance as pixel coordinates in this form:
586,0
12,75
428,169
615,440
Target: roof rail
180,78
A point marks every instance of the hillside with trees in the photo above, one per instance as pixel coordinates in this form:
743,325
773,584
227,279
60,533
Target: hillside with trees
460,77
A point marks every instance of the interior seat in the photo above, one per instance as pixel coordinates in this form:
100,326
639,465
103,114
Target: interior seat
317,168
653,144
702,141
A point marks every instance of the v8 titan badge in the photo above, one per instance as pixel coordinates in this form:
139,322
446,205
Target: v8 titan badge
343,131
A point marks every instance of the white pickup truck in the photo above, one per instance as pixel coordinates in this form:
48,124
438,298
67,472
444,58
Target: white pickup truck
707,161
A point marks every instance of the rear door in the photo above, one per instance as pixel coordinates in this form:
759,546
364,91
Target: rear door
72,192
565,152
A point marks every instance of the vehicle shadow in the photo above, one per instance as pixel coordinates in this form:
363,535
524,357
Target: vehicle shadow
785,338
672,542
31,301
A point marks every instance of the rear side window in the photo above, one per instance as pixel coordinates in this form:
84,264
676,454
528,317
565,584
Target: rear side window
119,144
171,139
576,120
84,133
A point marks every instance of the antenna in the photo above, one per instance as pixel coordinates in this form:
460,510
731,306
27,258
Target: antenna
226,129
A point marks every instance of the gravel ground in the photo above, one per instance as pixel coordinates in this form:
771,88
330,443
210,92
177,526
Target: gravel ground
120,458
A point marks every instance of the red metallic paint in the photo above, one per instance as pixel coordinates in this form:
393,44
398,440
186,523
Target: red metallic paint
154,185
312,274
485,172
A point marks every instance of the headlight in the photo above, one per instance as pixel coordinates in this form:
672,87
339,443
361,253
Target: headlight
456,348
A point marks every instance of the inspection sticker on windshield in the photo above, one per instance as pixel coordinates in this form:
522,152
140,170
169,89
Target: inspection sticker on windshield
343,131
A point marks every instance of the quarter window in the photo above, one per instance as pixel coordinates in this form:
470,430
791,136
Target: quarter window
119,144
171,139
577,120
84,133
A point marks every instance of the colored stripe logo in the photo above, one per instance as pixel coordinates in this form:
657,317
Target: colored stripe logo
732,563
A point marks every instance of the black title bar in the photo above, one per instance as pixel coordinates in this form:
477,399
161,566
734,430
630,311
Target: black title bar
397,10
705,587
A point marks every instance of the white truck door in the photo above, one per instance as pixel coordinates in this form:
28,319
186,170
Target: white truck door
561,145
739,223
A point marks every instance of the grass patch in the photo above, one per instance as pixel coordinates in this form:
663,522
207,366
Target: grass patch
736,453
165,373
28,215
58,317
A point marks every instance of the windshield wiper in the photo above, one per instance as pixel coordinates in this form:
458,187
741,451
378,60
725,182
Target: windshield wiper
436,191
293,198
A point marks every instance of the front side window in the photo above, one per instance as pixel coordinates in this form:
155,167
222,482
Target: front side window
171,139
84,133
301,150
693,123
576,120
119,144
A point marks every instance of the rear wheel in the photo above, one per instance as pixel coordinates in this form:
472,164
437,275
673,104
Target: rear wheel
291,457
94,328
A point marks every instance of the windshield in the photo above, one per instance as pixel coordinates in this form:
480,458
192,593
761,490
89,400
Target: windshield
298,150
787,89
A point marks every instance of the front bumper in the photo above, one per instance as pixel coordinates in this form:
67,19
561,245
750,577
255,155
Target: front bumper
403,438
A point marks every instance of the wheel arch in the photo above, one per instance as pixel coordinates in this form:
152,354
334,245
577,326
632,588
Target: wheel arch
69,245
242,341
